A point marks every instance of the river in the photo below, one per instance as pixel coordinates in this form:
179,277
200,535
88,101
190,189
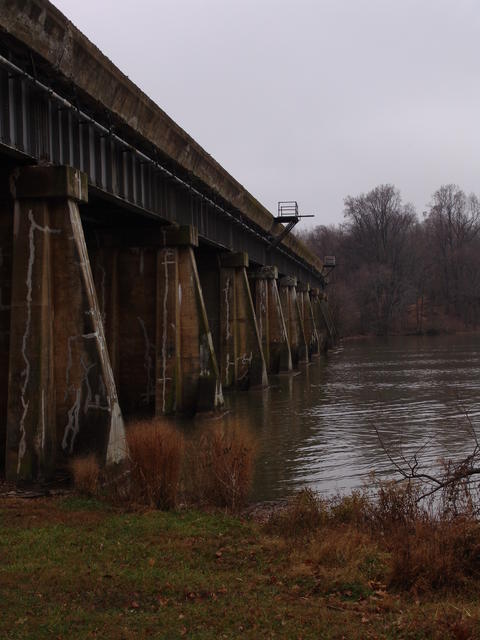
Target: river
319,428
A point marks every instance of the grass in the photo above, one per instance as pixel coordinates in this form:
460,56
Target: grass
76,568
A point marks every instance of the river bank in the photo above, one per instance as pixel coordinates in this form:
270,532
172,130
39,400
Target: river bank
77,568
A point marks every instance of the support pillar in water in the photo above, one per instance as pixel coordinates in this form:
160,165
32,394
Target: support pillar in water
62,398
293,319
270,320
187,375
320,325
242,363
309,325
324,318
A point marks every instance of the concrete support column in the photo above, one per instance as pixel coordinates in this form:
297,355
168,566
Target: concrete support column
209,274
322,330
187,375
137,313
105,276
242,362
6,239
126,283
309,325
62,398
327,316
293,319
270,320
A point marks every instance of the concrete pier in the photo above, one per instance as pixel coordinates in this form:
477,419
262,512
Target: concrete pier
62,397
126,281
242,362
6,238
104,263
293,320
270,320
323,320
187,374
309,324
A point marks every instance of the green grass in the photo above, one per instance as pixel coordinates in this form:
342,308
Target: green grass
74,568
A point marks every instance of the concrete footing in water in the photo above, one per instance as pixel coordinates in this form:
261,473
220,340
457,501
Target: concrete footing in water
241,355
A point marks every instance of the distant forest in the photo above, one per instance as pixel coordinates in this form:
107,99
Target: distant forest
397,273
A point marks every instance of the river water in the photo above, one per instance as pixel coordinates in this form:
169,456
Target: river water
319,428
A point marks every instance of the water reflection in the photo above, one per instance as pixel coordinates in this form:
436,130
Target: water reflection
318,428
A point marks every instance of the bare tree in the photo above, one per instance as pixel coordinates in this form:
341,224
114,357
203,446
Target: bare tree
453,222
455,482
395,273
380,226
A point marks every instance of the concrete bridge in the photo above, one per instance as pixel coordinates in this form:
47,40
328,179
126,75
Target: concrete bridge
136,275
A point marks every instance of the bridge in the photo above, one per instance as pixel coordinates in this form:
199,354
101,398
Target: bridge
137,277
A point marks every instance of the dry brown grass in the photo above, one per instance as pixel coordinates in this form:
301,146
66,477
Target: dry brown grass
395,506
387,538
354,508
156,452
304,514
432,546
435,555
86,475
220,465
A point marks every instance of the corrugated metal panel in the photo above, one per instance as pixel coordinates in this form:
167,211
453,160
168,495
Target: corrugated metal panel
43,125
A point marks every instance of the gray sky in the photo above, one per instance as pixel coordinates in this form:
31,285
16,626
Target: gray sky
309,100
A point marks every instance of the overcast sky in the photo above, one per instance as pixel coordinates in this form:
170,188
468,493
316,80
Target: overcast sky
309,100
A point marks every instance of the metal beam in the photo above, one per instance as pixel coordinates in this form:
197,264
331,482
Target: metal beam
41,125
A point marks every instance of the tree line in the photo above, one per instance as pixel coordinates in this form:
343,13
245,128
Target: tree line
399,273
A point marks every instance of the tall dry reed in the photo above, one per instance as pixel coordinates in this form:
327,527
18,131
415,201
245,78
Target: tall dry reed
221,464
86,474
156,454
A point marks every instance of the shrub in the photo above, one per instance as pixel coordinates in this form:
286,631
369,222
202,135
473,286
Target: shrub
86,474
431,546
350,509
303,514
156,454
459,496
385,538
395,505
435,555
221,465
